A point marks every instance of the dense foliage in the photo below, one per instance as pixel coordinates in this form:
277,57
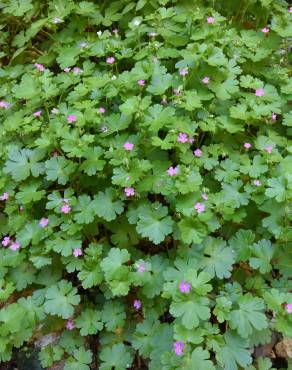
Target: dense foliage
146,174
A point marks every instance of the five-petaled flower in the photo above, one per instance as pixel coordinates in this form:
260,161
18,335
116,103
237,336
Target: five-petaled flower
101,110
129,192
65,208
57,20
184,287
137,304
44,222
206,80
183,72
197,153
257,183
179,347
55,111
14,246
37,113
199,207
247,145
4,104
110,60
128,146
260,92
5,241
4,196
290,9
289,307
182,137
39,67
269,149
77,70
274,116
141,82
77,252
172,171
204,196
210,20
70,324
265,30
71,118
141,267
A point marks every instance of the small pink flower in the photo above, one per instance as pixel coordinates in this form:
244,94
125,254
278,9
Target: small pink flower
257,183
77,70
44,222
247,145
71,118
129,192
55,111
5,241
110,60
198,153
163,101
57,20
260,92
269,149
4,104
179,347
4,196
37,114
183,72
70,324
77,252
115,31
266,30
199,207
210,20
141,82
128,146
67,69
141,267
172,171
65,208
206,80
290,9
184,287
289,307
14,246
274,116
101,110
182,137
137,304
39,67
55,153
204,196
191,140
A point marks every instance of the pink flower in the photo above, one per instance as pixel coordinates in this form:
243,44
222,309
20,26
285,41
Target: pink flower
38,113
4,104
101,110
247,145
137,304
177,92
210,20
257,183
71,118
198,153
77,252
290,9
260,92
191,140
269,149
83,45
182,137
141,82
129,192
67,69
183,72
163,101
172,171
110,60
206,80
289,307
57,20
39,67
115,31
44,222
141,267
14,246
199,207
178,347
184,287
274,116
128,146
55,111
5,241
70,325
266,30
204,196
77,70
55,153
65,208
4,196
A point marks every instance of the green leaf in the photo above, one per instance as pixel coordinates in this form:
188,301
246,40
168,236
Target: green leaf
118,356
263,252
249,315
61,299
277,189
89,322
106,206
191,312
191,231
200,359
59,168
160,81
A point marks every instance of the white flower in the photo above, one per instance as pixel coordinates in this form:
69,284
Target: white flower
136,22
99,33
114,77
